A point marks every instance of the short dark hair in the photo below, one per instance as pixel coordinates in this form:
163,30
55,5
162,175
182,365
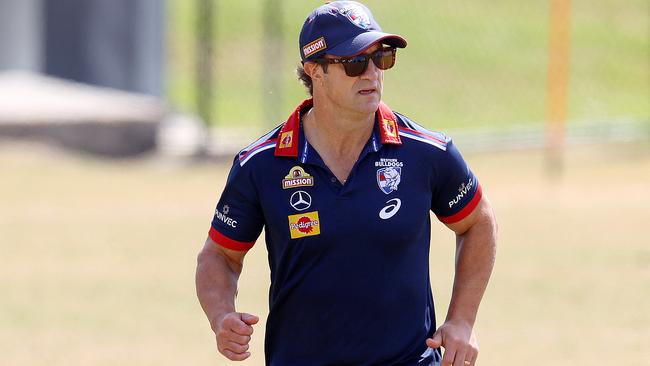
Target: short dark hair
306,79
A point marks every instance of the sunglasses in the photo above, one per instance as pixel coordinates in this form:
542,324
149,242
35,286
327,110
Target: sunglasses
384,59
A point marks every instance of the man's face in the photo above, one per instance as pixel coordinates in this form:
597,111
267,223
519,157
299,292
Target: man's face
358,94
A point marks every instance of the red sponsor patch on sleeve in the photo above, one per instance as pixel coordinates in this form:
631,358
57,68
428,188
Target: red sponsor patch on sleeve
465,211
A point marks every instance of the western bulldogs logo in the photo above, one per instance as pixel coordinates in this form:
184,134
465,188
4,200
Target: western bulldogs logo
389,178
357,15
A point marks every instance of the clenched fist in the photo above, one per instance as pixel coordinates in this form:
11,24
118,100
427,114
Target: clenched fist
459,342
233,332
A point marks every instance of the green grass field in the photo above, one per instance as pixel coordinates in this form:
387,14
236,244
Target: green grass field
479,64
98,260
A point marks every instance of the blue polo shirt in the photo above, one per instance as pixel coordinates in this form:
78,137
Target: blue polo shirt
349,262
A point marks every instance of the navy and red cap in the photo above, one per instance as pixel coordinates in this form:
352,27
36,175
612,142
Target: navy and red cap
344,29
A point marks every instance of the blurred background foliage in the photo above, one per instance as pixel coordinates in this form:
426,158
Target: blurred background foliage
468,65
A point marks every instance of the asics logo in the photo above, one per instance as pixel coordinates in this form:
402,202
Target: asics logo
391,209
300,200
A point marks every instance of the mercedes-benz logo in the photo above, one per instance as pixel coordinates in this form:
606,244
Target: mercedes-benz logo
300,200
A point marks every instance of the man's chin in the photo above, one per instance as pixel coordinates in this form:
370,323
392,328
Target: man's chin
368,103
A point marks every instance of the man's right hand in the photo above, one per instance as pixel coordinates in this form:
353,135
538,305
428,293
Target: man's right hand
233,333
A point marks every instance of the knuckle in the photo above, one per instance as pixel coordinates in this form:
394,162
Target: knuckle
234,356
238,339
230,337
238,347
239,356
228,320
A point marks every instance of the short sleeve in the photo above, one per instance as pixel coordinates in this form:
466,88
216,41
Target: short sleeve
456,191
238,219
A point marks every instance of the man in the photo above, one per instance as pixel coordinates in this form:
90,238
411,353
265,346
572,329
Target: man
343,190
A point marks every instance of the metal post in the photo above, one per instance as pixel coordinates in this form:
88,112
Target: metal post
204,61
272,62
557,84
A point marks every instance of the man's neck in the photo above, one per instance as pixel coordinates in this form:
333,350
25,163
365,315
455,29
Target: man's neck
337,133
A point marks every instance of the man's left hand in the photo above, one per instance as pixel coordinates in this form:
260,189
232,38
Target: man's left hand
459,342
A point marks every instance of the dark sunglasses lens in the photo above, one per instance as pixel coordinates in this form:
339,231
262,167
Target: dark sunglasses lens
384,59
355,67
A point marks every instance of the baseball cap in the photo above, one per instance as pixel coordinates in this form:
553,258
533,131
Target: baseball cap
342,28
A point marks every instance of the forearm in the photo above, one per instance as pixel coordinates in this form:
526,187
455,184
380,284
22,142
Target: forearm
475,256
216,285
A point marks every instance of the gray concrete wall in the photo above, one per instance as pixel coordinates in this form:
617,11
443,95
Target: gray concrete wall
116,43
21,35
112,43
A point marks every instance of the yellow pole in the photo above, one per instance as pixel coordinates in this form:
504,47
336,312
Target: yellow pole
557,83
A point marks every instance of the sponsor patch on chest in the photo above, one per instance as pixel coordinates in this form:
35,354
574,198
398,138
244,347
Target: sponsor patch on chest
297,177
305,224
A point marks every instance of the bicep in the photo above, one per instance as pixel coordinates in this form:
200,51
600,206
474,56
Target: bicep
233,257
482,214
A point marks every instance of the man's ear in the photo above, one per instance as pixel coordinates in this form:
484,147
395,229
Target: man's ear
312,69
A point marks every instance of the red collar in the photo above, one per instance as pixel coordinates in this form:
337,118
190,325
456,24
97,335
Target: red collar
287,144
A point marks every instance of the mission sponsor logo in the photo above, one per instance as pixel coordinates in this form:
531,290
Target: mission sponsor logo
306,224
297,177
314,47
463,190
222,216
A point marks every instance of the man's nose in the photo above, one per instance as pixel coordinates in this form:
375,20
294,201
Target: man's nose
372,72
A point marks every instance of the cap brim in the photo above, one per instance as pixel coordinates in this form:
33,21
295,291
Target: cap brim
360,43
